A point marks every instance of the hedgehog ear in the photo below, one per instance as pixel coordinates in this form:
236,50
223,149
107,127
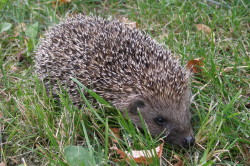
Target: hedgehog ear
135,105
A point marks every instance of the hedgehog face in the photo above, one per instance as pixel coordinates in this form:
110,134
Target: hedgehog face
167,118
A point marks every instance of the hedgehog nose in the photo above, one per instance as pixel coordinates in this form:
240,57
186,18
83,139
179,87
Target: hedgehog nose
188,141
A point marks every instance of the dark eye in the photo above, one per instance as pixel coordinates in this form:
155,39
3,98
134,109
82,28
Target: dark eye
160,120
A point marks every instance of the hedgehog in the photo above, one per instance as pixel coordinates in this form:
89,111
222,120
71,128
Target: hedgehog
123,65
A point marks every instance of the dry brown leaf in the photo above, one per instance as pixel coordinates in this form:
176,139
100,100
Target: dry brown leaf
203,28
65,1
246,152
20,28
20,56
179,162
13,69
139,156
195,65
1,115
132,24
129,23
56,3
116,132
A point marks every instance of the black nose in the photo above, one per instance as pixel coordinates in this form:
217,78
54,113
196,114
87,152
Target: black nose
188,141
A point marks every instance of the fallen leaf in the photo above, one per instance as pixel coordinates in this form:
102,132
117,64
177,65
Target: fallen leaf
13,69
179,162
20,56
57,3
203,28
65,1
139,156
19,28
116,132
129,23
132,24
246,152
195,65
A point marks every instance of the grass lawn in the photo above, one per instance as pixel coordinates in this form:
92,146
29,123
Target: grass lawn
35,129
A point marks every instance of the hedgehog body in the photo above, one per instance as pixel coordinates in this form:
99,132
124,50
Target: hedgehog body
123,65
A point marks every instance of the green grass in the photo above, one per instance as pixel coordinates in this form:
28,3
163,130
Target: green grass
35,129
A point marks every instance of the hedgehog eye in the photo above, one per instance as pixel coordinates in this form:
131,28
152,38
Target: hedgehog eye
160,120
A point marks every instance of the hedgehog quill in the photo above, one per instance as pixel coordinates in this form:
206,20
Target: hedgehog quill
124,66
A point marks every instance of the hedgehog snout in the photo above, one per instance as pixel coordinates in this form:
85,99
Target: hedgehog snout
180,137
188,142
188,139
180,141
